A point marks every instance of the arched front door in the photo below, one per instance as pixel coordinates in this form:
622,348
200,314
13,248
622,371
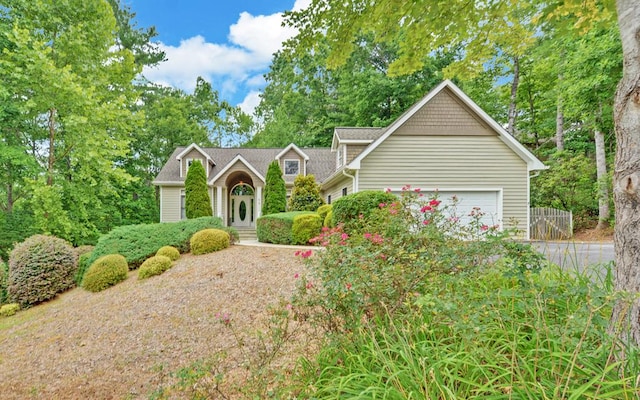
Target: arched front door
242,205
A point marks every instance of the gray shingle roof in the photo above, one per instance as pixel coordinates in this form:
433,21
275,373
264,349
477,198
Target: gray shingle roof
321,161
353,133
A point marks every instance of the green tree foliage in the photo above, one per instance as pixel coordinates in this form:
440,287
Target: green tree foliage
197,200
275,191
305,195
569,184
304,100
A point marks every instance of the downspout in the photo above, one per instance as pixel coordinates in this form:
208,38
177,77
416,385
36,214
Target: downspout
354,186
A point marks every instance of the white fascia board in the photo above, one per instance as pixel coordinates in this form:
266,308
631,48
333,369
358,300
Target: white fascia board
230,164
296,149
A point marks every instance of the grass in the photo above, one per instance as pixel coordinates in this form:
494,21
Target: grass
483,335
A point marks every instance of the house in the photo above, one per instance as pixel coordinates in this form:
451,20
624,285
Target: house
443,143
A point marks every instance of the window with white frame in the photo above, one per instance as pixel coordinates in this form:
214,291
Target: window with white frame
291,167
191,161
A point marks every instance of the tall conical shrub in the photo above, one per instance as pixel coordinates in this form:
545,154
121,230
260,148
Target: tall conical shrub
197,200
275,191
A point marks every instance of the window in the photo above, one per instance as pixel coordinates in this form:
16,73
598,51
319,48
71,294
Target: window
183,212
344,191
329,199
191,161
291,167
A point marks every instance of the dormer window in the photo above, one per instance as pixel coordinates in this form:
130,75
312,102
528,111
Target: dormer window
191,161
291,167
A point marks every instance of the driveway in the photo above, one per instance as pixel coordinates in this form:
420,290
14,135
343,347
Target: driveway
576,255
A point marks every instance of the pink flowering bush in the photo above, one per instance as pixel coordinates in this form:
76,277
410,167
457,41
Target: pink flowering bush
381,265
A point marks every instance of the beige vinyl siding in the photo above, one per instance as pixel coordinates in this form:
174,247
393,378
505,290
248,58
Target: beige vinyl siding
335,189
170,203
444,114
291,155
192,155
450,162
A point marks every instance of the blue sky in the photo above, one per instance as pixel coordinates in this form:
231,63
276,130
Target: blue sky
229,43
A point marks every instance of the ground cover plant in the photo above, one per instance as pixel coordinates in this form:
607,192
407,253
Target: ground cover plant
413,311
139,242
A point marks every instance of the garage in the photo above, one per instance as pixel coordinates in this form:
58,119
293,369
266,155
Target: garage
489,202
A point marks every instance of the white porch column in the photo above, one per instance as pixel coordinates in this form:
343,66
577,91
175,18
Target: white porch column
258,201
219,202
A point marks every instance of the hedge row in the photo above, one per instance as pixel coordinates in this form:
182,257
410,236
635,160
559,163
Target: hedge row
139,242
277,228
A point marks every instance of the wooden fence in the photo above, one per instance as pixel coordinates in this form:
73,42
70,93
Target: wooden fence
550,224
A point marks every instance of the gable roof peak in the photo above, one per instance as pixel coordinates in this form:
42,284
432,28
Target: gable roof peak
198,149
294,148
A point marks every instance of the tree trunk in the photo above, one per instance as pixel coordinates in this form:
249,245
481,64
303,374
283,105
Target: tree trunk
511,126
52,135
603,181
559,121
625,318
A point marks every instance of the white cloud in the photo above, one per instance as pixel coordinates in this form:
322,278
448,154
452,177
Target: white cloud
250,102
232,67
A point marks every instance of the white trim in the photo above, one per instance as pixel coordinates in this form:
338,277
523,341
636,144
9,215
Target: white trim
230,164
356,141
168,183
219,202
295,148
258,204
191,147
532,162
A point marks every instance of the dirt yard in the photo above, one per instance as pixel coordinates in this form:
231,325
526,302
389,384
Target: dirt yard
125,341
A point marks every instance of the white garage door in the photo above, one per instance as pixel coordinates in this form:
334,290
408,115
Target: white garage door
488,201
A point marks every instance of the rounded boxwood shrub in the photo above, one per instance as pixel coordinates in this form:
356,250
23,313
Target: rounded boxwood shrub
40,268
154,266
168,251
4,277
8,310
106,271
324,210
208,241
305,227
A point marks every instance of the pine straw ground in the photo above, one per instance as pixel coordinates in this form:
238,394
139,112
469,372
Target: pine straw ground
129,340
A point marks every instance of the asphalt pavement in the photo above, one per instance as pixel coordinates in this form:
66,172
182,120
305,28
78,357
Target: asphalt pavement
576,255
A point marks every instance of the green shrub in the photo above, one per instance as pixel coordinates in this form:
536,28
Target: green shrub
348,209
276,228
155,266
105,272
275,191
139,242
84,262
197,201
8,310
305,195
323,210
80,250
305,227
168,251
4,277
328,220
208,241
40,268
